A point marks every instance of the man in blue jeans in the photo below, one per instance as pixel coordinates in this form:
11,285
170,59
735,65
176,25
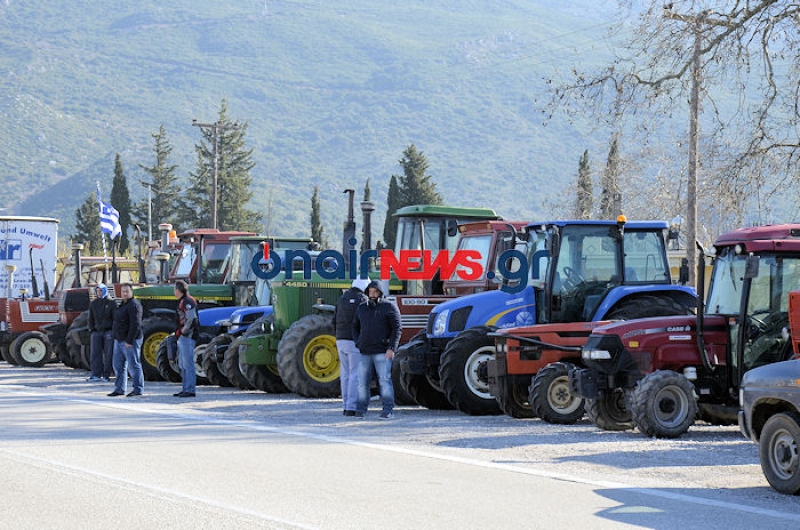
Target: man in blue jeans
188,332
127,331
376,332
101,320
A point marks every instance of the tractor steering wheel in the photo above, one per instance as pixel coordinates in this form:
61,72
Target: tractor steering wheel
572,277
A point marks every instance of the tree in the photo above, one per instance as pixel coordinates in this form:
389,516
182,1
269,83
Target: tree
163,188
234,163
367,191
609,183
87,225
415,185
393,203
316,220
739,61
585,193
121,200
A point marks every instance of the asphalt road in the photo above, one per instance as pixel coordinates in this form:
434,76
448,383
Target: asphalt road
70,457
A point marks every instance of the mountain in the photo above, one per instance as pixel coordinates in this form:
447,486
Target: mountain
333,92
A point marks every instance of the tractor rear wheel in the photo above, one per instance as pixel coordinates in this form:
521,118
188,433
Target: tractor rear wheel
401,395
515,403
264,377
32,349
648,306
214,373
663,404
463,372
155,330
610,412
73,355
167,368
550,397
308,361
231,366
779,451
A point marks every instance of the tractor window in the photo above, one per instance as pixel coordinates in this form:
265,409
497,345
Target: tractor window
185,261
725,290
645,260
215,261
482,244
241,260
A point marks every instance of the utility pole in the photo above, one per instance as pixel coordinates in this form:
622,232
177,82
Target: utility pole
216,127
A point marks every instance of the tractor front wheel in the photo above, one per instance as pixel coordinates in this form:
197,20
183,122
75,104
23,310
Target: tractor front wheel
663,404
169,369
425,392
154,330
610,412
463,372
550,397
32,349
214,374
231,366
308,360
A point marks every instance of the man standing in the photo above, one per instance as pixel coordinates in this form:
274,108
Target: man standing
101,320
376,332
127,333
188,332
348,353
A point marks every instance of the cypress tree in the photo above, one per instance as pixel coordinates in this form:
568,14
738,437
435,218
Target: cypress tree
585,193
316,220
393,203
87,225
121,200
610,183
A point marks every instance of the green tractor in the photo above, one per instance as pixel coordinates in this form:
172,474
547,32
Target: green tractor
297,343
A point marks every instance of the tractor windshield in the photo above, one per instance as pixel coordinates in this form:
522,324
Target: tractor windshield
725,290
481,243
242,253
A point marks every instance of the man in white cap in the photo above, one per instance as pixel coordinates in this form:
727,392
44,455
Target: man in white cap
101,320
348,353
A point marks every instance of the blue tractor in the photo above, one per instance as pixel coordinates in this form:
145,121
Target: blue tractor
564,271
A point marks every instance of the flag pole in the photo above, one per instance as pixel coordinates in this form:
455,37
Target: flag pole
102,234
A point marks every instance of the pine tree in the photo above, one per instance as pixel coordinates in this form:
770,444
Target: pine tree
163,188
415,185
87,225
610,184
585,193
392,205
121,200
317,230
234,163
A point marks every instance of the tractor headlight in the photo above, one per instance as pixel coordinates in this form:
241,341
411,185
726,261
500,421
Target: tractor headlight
500,346
595,355
440,324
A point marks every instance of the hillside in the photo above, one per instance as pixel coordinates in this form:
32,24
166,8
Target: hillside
333,93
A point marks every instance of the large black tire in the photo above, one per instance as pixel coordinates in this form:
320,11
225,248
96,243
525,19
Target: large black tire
73,355
516,403
7,356
214,373
663,404
650,306
155,330
779,451
231,366
401,395
79,353
425,392
308,361
610,412
32,349
264,377
167,368
550,397
462,372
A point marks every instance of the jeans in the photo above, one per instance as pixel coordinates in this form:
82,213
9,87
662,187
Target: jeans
102,348
127,359
348,372
383,367
186,363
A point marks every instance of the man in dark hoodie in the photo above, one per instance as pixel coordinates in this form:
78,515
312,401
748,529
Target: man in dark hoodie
376,332
101,320
128,336
348,353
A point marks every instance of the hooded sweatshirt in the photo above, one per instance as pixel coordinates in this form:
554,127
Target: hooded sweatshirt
376,325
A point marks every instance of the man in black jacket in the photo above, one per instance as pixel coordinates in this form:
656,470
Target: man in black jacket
101,319
348,353
128,336
376,332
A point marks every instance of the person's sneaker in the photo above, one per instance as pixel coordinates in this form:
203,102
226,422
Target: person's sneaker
106,380
94,379
186,394
115,393
134,394
386,415
349,413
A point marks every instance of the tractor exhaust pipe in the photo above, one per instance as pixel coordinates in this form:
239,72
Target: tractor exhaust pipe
349,231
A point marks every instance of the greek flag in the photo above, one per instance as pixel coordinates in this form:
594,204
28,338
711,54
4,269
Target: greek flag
109,220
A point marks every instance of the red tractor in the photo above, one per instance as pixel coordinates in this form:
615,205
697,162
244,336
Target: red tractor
660,374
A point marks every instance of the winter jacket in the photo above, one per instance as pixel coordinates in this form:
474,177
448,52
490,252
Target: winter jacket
188,324
101,314
128,321
376,327
344,312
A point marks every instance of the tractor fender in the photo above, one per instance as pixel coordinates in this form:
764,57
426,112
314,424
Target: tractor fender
681,294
